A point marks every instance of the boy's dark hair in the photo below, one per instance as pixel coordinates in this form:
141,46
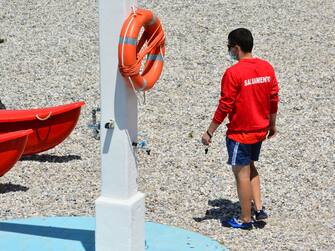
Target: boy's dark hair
241,37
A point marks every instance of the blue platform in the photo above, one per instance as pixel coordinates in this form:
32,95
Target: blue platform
77,234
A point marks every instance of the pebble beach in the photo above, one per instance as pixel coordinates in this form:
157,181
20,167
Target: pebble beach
50,56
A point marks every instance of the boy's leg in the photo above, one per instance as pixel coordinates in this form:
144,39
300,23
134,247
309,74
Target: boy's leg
255,186
242,176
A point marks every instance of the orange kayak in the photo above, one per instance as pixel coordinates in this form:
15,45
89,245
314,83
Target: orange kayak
50,125
12,145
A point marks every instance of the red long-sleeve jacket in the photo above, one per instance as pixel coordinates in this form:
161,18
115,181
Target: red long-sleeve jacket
249,94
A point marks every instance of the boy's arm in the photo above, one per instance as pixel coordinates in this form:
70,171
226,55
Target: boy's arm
274,100
272,126
274,97
229,92
207,136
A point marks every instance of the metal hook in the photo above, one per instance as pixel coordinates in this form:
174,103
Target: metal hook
109,124
95,126
142,145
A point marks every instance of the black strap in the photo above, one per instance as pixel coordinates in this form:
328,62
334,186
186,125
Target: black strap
210,136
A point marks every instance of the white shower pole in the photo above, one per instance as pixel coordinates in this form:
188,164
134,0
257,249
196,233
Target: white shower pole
120,207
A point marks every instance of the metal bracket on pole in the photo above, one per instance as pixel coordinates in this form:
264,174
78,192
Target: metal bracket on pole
95,126
109,124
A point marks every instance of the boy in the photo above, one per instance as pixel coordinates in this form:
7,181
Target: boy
249,96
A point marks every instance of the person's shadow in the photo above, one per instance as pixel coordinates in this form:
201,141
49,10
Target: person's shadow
223,210
9,187
50,158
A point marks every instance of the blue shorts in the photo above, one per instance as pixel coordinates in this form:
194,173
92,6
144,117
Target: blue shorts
242,154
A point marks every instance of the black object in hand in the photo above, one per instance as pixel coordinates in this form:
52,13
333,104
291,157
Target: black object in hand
206,150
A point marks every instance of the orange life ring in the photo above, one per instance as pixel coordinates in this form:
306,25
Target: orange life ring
131,55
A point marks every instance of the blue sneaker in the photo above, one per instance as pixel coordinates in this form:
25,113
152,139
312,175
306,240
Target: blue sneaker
237,223
261,214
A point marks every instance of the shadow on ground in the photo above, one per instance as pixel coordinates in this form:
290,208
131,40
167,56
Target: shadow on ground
86,237
51,158
9,187
223,210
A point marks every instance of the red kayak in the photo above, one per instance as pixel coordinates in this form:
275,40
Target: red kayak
50,125
12,145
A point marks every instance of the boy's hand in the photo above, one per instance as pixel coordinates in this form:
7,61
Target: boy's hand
206,139
272,132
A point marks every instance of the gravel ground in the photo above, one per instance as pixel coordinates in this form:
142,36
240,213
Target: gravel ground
50,57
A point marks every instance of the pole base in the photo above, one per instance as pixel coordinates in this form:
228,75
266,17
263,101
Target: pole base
77,234
120,222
